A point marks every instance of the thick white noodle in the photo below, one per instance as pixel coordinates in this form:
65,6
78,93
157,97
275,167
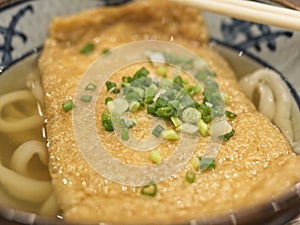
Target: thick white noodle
27,123
50,207
24,153
24,188
266,103
264,81
13,113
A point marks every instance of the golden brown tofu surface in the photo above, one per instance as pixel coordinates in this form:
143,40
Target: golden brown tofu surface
249,167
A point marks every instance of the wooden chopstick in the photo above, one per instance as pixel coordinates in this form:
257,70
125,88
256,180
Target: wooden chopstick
263,7
250,11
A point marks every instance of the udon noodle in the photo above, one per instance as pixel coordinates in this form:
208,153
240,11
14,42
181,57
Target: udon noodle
273,99
20,112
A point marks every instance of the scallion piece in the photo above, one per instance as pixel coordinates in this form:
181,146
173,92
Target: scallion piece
115,90
107,100
90,87
170,135
195,162
149,190
87,48
106,122
68,105
105,51
165,112
229,135
155,156
190,176
179,81
134,106
86,98
127,123
230,115
192,90
191,115
207,163
161,71
151,109
124,134
225,97
148,99
142,72
157,130
203,128
110,85
132,96
176,121
161,102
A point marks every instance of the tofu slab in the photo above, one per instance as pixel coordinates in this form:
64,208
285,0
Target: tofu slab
249,167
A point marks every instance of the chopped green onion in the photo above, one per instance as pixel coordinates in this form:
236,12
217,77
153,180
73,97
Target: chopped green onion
140,91
165,112
148,99
203,128
149,190
155,156
161,71
225,97
86,98
175,104
170,135
157,130
195,162
186,101
106,122
105,51
115,90
203,75
207,163
230,115
192,90
124,134
68,105
229,135
190,176
132,96
205,112
151,109
127,79
87,48
134,106
110,105
107,100
149,94
90,87
191,115
142,72
179,81
110,85
161,102
170,94
127,123
207,119
121,105
176,121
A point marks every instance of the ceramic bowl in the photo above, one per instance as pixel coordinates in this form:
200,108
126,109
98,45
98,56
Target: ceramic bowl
24,27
